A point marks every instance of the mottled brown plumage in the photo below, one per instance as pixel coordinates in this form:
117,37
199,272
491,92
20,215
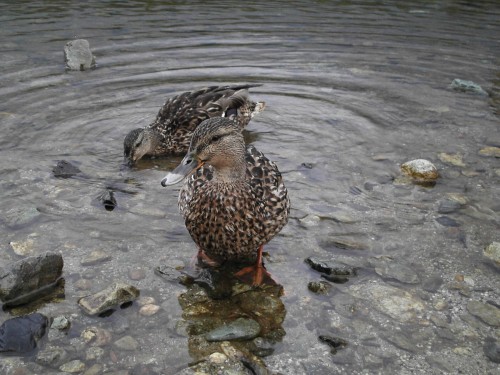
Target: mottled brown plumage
171,131
233,200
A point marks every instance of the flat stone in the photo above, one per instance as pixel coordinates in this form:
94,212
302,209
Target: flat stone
20,216
77,55
51,357
64,169
492,349
115,295
490,151
96,336
149,310
453,159
467,86
95,257
492,251
25,280
420,170
397,303
23,248
239,329
73,366
489,314
127,343
397,271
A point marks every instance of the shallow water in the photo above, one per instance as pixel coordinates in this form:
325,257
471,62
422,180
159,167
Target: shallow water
352,91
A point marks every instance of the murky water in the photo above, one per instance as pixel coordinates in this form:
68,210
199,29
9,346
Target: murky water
352,90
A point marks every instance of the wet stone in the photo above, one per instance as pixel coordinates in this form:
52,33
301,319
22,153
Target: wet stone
51,357
108,200
492,251
467,86
115,295
64,169
334,272
127,343
23,248
95,369
342,243
320,287
27,279
432,283
95,257
447,221
60,323
487,313
20,216
491,349
239,329
420,170
396,271
136,274
149,310
96,336
447,206
453,159
73,367
21,334
490,151
94,353
335,343
77,55
262,347
173,275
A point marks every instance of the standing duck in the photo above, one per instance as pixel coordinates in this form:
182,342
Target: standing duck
233,200
171,131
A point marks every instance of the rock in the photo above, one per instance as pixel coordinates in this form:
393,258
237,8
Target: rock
453,159
320,287
60,323
73,366
342,243
64,169
396,271
173,275
77,55
23,248
420,170
492,251
490,151
51,357
149,309
336,273
489,314
446,221
96,336
447,206
467,86
20,335
127,343
136,274
239,329
262,347
397,303
27,279
491,349
334,343
95,257
20,216
115,295
95,369
94,353
108,200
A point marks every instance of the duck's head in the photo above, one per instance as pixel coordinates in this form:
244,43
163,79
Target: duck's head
218,142
137,143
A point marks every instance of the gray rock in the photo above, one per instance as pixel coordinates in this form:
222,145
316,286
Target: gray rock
77,55
396,271
127,343
51,357
492,349
115,295
64,169
20,216
489,314
25,280
239,329
60,323
447,206
95,257
73,366
492,251
467,86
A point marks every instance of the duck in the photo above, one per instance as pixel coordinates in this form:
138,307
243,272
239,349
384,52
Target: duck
233,198
170,133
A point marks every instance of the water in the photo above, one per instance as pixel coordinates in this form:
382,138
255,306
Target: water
352,90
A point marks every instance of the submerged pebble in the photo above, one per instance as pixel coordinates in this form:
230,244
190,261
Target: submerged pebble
73,367
486,312
490,151
492,251
491,349
127,343
420,170
239,329
467,86
113,296
453,159
77,55
21,334
335,343
319,287
397,271
95,257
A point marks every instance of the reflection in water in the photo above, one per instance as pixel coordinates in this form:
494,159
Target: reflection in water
217,308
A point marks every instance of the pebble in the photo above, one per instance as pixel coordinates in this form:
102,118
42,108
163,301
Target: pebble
342,243
321,287
60,323
492,251
490,151
149,310
146,300
397,271
83,284
262,347
467,86
23,248
73,366
453,159
491,349
95,369
447,221
96,336
447,206
239,329
95,257
77,55
20,216
115,295
127,343
489,314
51,357
420,170
94,353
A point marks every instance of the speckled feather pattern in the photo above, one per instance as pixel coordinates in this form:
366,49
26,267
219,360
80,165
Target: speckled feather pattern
230,220
180,115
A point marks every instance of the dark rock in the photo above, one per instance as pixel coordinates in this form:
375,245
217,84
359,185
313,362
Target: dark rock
108,200
77,55
115,295
239,329
65,169
335,343
447,221
262,347
432,284
26,280
20,335
447,206
171,274
492,349
320,287
341,271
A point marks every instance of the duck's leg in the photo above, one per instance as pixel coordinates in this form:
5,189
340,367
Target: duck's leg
204,260
257,272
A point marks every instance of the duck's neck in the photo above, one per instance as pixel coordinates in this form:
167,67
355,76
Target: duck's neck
230,169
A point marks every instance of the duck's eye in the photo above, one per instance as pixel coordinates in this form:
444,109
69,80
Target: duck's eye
215,138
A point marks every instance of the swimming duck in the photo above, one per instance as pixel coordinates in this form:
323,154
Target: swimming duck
233,198
171,131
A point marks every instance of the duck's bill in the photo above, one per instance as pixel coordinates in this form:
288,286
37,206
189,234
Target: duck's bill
187,165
